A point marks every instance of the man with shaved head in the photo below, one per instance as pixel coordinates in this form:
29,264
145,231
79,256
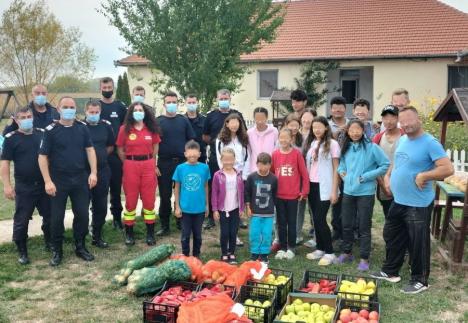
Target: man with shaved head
43,113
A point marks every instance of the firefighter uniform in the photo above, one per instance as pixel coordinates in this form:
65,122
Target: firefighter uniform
139,178
22,149
102,137
65,147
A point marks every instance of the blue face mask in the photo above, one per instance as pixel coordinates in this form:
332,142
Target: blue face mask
171,107
138,115
26,124
68,114
93,118
138,98
40,100
224,104
192,107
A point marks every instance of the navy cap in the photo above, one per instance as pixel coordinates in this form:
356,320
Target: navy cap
390,109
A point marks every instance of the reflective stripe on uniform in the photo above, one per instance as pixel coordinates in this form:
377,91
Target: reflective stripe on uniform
149,214
129,215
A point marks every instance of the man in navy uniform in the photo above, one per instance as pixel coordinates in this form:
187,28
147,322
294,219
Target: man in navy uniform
65,154
103,140
197,120
21,146
43,113
113,111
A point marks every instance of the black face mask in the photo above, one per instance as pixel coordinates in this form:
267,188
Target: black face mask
107,94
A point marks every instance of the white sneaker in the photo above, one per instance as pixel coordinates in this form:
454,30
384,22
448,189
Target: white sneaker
310,243
280,254
289,254
317,254
328,259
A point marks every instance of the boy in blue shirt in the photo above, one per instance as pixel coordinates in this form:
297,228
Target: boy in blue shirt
191,197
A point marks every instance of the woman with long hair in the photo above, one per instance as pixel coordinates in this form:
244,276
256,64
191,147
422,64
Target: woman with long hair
137,147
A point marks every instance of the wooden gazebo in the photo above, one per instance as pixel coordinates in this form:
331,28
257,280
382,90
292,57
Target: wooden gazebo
454,108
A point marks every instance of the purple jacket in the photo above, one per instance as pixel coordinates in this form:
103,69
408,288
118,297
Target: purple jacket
218,191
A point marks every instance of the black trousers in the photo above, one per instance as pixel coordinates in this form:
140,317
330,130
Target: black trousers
358,208
30,196
336,216
75,187
99,198
408,227
167,167
192,225
228,231
319,211
386,206
115,185
286,218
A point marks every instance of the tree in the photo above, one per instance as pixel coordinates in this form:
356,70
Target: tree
68,84
37,48
123,90
118,91
196,45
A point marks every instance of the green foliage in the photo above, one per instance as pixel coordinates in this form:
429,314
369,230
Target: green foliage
118,91
313,80
457,132
196,45
36,48
71,84
126,98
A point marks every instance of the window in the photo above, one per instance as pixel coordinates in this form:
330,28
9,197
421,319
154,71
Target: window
350,85
457,77
267,83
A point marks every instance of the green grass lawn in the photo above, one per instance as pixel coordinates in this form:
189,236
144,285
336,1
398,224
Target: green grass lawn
83,292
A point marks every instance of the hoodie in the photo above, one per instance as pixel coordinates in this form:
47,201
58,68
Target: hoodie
261,141
362,163
218,191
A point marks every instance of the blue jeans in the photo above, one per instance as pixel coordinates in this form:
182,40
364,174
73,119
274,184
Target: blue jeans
260,234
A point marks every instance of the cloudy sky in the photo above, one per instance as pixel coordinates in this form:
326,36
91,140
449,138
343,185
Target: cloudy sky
105,39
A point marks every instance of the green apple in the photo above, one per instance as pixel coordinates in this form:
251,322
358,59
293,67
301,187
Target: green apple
306,307
297,301
315,307
298,308
289,309
248,302
324,308
266,304
257,303
328,316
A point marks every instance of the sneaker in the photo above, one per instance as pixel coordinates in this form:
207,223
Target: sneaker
384,276
363,265
299,240
317,254
239,242
328,259
232,260
275,246
345,258
289,254
280,254
414,287
310,243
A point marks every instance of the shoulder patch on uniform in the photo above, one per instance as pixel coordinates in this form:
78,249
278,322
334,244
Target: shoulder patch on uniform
106,122
51,126
39,129
11,133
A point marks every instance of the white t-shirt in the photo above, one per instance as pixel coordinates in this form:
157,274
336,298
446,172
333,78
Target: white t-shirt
231,201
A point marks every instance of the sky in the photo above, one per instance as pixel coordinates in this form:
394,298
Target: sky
104,38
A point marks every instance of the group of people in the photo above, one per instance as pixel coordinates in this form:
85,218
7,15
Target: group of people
217,170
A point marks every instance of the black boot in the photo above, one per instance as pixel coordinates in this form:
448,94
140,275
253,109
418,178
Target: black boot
129,238
150,241
57,255
97,239
117,222
82,252
22,252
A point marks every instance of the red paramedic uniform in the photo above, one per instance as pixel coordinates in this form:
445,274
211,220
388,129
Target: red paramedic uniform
139,172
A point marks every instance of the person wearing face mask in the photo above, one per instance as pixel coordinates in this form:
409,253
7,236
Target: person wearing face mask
176,132
103,140
113,111
43,113
137,146
138,96
197,120
65,155
213,124
21,147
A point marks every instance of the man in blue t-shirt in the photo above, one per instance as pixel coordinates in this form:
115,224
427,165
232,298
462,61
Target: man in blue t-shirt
419,160
191,197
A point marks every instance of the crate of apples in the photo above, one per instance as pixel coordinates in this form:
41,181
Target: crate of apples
314,282
361,289
362,316
281,280
258,302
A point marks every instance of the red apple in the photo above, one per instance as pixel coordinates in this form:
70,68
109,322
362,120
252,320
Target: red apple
354,316
374,315
373,321
364,314
345,318
346,311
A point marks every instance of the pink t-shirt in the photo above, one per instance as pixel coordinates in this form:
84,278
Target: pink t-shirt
231,201
334,152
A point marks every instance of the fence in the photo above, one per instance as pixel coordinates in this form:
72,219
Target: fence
458,159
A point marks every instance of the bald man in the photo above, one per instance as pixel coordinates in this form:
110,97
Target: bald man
43,113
